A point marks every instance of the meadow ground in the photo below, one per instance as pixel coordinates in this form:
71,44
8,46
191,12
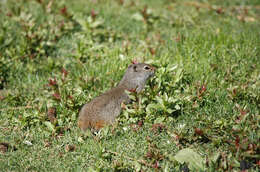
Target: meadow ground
199,112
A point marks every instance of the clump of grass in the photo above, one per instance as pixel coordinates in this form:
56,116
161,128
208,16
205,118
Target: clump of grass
203,102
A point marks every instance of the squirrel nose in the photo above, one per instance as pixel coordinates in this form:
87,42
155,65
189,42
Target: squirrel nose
153,68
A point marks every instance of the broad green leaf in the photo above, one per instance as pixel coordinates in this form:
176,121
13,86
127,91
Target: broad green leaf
172,68
49,125
137,16
152,106
178,75
193,159
214,157
170,110
159,120
96,23
159,100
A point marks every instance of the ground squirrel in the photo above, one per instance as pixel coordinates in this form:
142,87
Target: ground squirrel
103,109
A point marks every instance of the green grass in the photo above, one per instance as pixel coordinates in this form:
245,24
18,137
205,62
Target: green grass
61,54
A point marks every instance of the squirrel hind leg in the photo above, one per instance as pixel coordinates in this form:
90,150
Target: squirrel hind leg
96,125
83,125
99,124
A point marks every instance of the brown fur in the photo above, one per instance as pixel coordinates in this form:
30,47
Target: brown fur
103,109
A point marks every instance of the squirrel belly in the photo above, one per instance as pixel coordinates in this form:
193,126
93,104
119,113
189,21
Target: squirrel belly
104,109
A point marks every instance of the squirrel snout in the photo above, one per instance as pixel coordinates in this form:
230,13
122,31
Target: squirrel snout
153,69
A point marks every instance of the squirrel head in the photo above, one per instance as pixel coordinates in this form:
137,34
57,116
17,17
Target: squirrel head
136,76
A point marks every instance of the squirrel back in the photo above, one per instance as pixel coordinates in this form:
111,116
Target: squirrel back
103,109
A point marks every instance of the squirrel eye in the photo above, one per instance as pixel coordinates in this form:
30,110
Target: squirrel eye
147,68
134,67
